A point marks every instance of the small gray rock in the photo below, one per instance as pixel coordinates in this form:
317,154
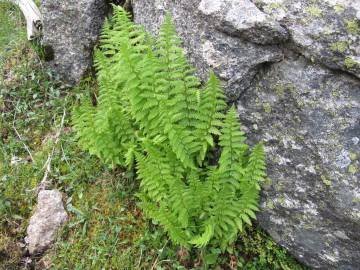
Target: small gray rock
70,31
45,222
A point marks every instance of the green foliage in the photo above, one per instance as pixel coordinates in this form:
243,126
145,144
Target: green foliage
12,29
29,104
105,228
257,251
152,115
352,26
339,46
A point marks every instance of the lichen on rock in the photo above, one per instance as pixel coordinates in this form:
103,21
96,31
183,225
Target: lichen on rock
312,159
327,31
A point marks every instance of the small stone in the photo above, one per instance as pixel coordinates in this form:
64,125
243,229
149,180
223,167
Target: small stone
49,216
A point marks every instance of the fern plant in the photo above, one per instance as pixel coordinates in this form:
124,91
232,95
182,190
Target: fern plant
153,115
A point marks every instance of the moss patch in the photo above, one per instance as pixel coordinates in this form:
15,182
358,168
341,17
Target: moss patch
267,107
339,46
339,8
349,62
352,26
325,180
353,169
314,11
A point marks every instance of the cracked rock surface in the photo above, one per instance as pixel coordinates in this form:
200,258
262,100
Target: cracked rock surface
48,217
293,69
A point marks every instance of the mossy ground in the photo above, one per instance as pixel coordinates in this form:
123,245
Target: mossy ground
106,229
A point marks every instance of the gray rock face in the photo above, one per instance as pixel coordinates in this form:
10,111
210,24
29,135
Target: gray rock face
308,118
45,222
70,31
292,67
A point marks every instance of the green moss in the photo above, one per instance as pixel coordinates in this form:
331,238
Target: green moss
267,107
353,156
279,187
267,181
335,93
273,6
328,31
104,229
279,89
355,200
268,255
270,204
10,253
339,8
325,180
349,62
353,169
300,103
339,46
307,226
281,200
314,11
352,26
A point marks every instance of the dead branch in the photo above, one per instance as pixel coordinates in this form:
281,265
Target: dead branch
20,138
25,146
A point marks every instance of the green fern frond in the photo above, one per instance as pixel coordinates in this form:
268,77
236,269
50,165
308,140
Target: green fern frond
210,115
152,114
180,88
154,176
255,172
203,239
233,151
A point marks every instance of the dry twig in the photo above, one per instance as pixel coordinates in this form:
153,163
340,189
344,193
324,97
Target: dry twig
47,164
32,16
20,138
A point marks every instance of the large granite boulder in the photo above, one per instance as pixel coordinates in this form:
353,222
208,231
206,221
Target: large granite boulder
308,118
70,31
293,69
